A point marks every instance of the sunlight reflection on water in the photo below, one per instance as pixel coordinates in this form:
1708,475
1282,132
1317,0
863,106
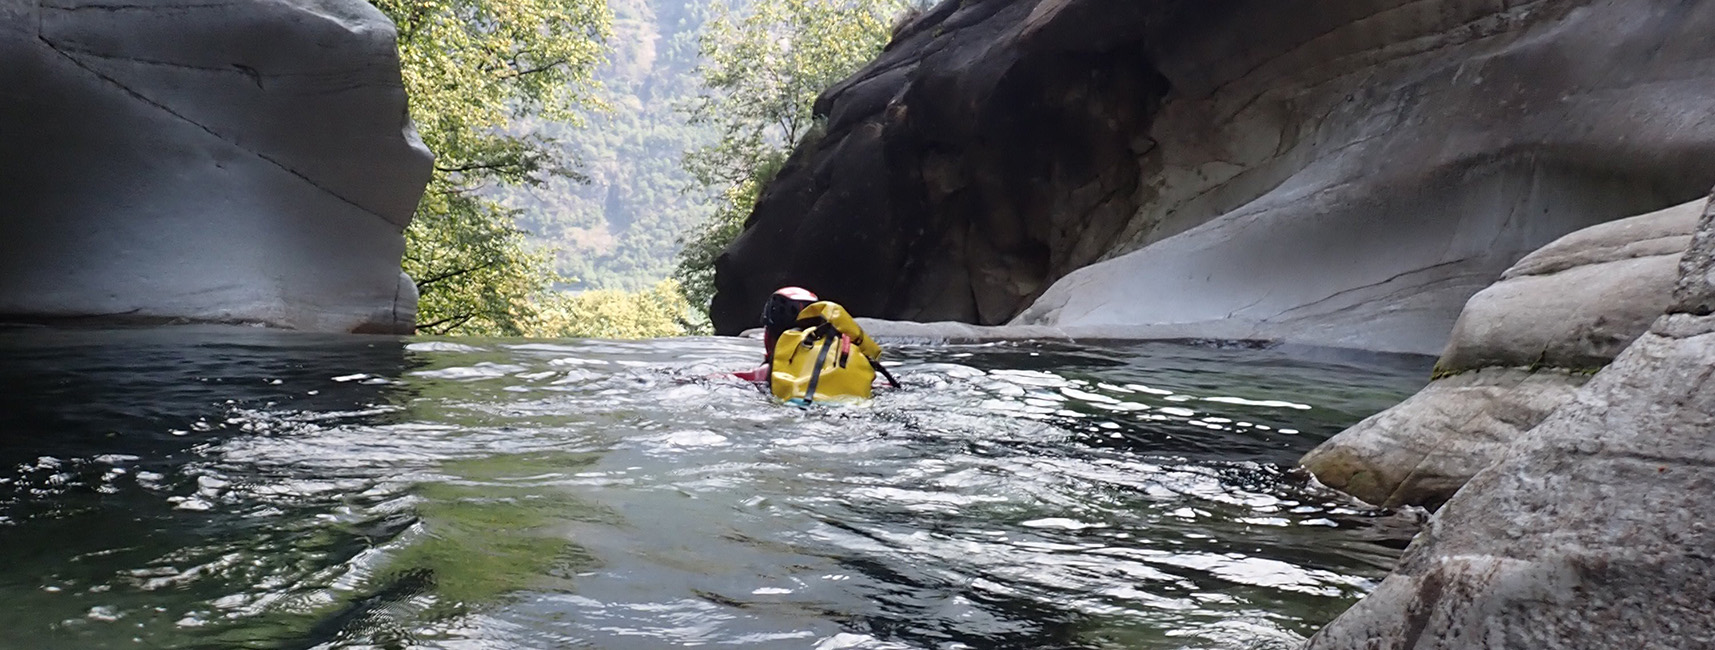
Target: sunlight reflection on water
260,489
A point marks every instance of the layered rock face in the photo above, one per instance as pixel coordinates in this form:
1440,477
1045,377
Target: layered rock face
1593,530
243,161
1334,173
1520,349
991,149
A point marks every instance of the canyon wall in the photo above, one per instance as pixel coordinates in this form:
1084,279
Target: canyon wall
243,162
1340,173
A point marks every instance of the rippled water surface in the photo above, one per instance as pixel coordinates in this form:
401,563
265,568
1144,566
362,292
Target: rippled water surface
214,488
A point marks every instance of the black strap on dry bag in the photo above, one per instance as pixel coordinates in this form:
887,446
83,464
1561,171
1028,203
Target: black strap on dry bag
816,375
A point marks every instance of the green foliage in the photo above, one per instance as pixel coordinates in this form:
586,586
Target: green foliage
696,262
505,93
471,69
472,268
764,65
619,230
658,311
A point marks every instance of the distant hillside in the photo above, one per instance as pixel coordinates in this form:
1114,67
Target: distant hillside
619,230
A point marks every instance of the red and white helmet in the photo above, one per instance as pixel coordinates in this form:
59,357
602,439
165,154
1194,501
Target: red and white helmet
799,294
780,311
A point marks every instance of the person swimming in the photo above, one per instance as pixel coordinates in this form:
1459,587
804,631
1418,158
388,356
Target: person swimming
808,346
779,312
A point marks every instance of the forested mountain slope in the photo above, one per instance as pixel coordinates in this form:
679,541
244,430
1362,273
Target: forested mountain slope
619,229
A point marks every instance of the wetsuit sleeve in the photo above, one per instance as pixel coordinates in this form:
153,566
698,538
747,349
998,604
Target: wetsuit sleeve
759,373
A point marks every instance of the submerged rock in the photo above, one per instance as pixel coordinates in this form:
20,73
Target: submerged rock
1593,530
245,161
1342,174
1519,350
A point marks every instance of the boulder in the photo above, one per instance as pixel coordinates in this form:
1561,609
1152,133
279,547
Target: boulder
1577,302
1593,530
1421,451
246,161
1519,350
1340,173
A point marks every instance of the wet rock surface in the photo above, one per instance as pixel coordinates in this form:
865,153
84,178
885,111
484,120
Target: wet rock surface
1423,450
1344,175
1592,530
245,162
1519,350
1590,533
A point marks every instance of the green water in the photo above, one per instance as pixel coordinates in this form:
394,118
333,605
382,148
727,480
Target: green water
217,488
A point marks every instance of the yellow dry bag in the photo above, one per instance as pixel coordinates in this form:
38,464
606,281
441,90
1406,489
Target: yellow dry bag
824,357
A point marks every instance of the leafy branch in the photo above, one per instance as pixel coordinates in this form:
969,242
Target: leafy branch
765,63
471,68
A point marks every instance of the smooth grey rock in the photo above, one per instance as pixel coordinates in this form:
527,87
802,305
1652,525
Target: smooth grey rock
1593,531
1342,174
1315,269
247,161
1519,350
1579,318
1577,302
956,332
1663,232
1421,451
1372,223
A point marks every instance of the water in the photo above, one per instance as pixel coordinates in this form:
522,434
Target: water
218,488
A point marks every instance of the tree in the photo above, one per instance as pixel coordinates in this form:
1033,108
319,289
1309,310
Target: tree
763,67
658,311
619,230
471,69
